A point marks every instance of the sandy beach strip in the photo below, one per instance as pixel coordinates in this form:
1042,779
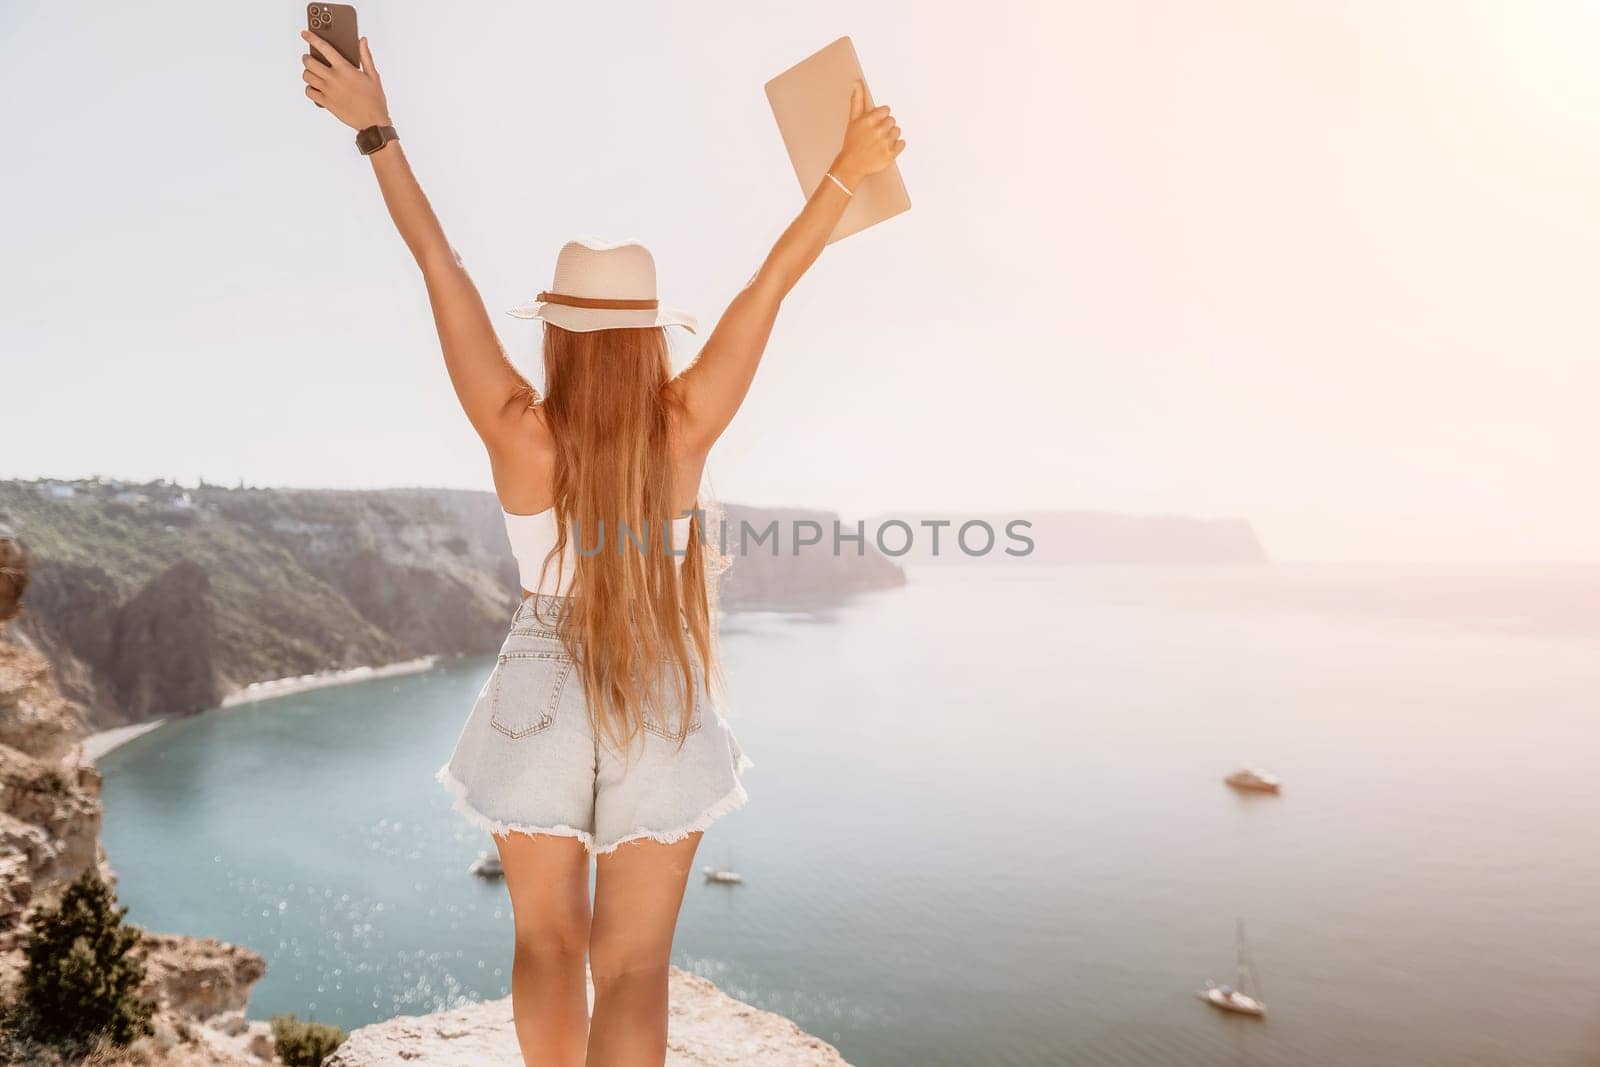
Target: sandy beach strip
277,687
99,743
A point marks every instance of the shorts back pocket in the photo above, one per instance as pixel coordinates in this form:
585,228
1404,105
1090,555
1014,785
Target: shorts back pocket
526,690
669,726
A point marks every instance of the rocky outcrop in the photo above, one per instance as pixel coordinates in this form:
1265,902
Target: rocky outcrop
13,574
50,834
165,646
199,977
49,800
50,820
38,720
705,1026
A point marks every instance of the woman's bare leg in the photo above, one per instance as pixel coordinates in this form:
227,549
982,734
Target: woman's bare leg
638,890
548,879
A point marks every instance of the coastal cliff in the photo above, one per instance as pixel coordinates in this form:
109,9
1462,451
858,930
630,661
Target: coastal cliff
156,600
50,834
705,1027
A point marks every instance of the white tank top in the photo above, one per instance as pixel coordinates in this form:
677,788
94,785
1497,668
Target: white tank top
533,536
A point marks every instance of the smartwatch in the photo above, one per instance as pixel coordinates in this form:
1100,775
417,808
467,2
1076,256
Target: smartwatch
373,138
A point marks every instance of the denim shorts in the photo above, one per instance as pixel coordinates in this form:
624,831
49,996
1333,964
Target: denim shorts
528,760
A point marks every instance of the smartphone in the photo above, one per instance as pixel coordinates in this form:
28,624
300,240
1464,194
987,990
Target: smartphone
336,24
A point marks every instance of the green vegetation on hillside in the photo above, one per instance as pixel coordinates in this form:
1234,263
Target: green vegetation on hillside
300,1043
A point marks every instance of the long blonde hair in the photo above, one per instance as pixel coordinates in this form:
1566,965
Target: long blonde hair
611,418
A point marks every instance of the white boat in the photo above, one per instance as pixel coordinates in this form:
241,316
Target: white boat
1254,780
1229,999
723,877
487,865
1237,998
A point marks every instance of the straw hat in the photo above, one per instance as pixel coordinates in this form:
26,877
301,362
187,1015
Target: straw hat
603,285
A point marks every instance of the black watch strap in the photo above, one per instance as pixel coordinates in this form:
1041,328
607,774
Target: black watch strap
373,138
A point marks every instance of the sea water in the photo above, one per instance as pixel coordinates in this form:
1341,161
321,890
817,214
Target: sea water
987,824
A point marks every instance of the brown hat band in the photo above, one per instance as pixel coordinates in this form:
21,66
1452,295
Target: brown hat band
597,302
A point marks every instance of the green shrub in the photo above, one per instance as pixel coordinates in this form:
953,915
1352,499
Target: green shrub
81,981
304,1044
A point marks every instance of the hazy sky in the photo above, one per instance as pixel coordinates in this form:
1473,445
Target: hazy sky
1331,267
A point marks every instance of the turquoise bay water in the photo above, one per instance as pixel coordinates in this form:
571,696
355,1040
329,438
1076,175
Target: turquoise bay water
987,824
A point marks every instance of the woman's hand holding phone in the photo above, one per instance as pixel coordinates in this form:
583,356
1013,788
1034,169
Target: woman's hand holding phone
353,94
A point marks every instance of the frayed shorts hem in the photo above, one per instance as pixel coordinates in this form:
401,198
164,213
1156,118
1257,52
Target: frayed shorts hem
463,806
731,801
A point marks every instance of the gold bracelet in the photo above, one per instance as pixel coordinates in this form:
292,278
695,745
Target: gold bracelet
829,175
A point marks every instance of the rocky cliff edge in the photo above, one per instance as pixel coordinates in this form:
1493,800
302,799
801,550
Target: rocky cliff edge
705,1027
50,834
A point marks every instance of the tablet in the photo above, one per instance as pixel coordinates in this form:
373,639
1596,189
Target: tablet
811,101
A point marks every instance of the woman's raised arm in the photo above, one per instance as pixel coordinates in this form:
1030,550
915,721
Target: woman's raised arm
711,389
491,392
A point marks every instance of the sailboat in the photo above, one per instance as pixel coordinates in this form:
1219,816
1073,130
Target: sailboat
487,865
1244,998
723,875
